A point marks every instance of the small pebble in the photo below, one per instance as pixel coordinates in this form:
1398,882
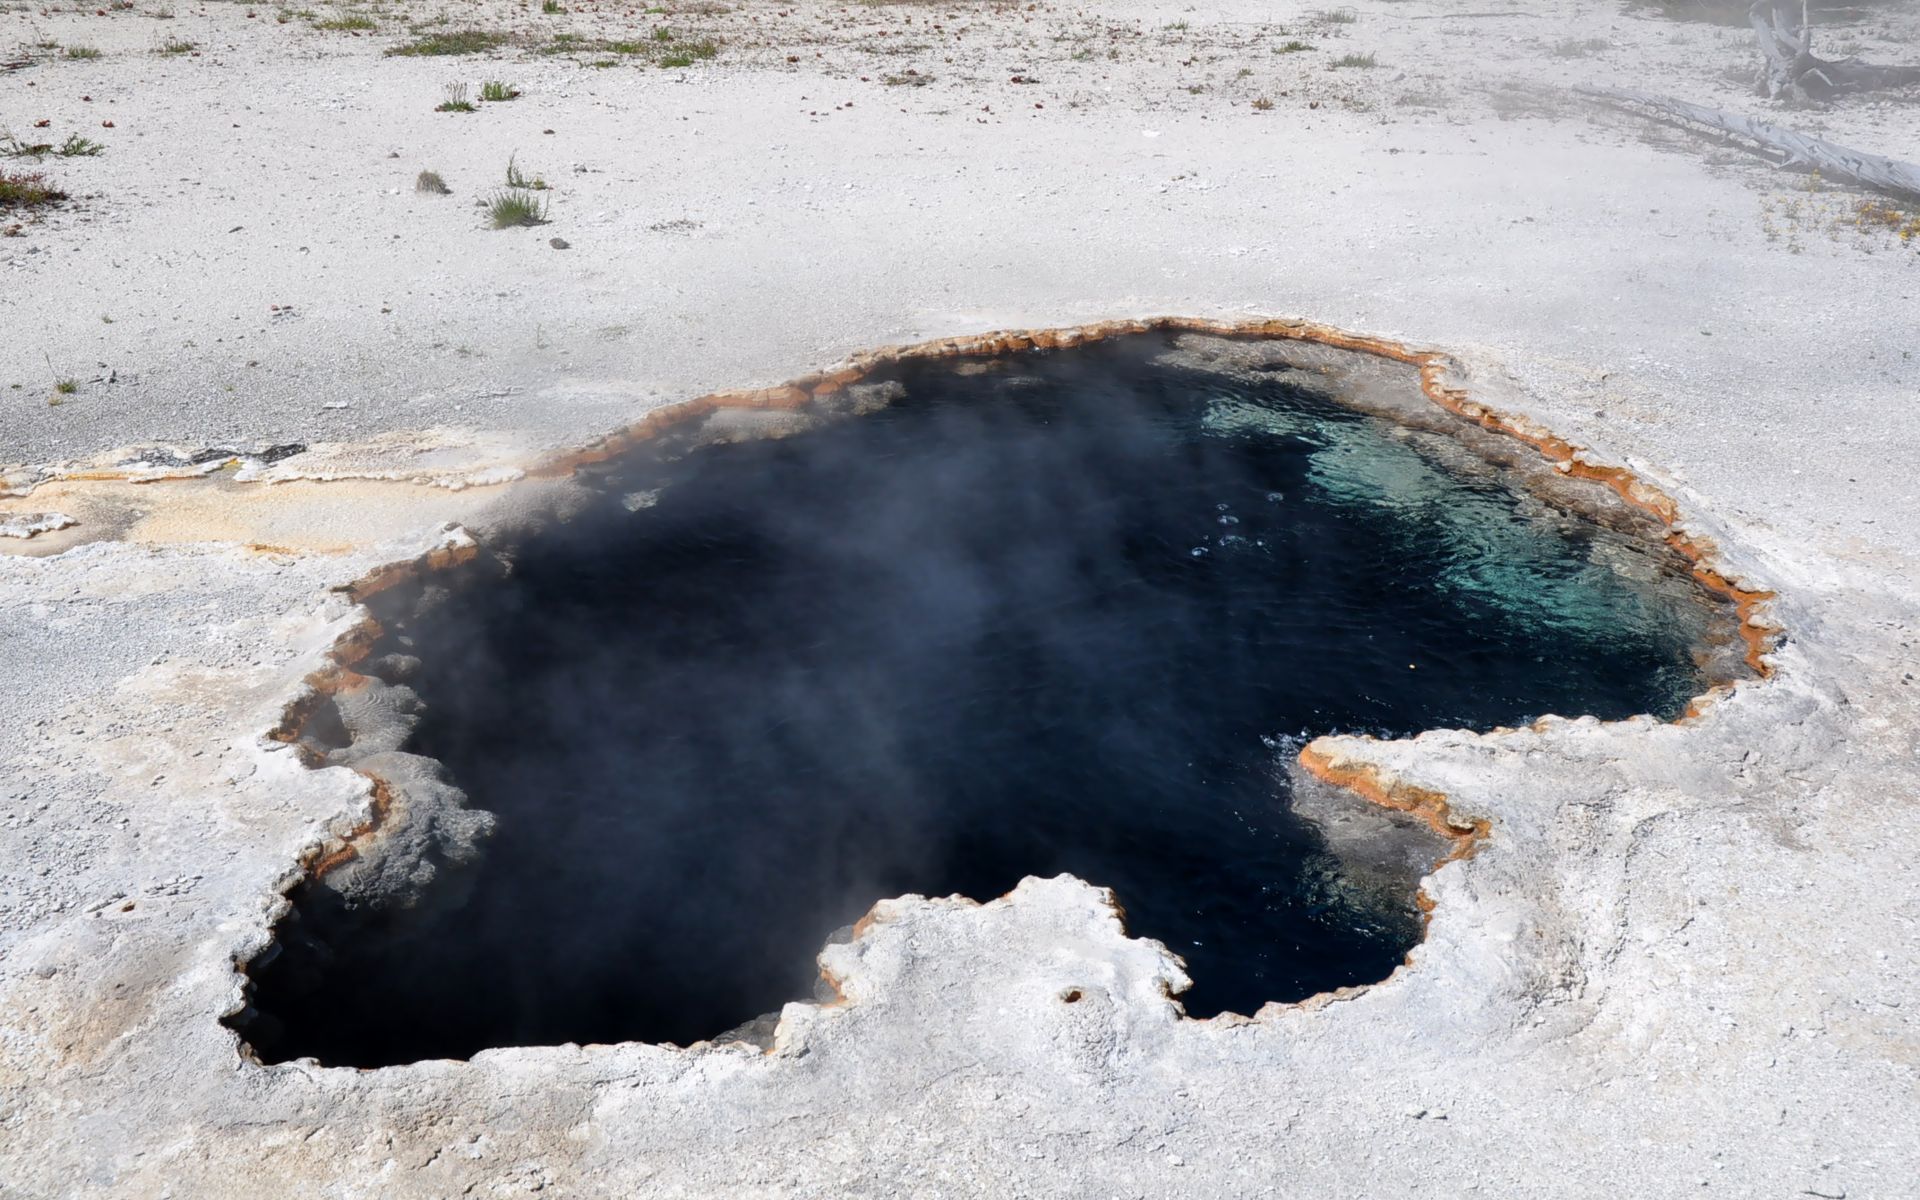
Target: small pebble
559,243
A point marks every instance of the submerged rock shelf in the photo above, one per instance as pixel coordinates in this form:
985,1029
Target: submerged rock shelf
951,624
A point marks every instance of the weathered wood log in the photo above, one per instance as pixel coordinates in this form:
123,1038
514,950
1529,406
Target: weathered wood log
1791,70
1784,146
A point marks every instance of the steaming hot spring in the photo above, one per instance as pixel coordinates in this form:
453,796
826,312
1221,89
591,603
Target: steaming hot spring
962,621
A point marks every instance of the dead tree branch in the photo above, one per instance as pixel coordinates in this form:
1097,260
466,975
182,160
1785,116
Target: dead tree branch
1783,146
1791,71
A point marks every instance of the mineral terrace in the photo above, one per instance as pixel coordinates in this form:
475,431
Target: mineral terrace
247,364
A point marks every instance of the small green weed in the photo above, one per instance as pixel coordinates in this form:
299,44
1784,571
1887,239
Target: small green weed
1334,16
551,7
494,90
176,46
516,178
347,23
1354,60
13,147
74,147
456,100
83,52
431,183
1293,48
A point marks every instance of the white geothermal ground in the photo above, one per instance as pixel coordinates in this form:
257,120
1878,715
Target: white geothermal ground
1683,961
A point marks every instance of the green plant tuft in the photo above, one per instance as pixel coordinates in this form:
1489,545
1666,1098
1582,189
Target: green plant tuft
1354,60
511,207
456,100
685,54
516,178
494,91
458,41
431,183
82,52
1579,47
27,189
13,147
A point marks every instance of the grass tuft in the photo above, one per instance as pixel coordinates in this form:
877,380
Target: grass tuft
431,183
176,46
456,41
551,7
66,387
1579,47
456,100
494,90
1334,16
1294,47
82,52
1262,104
685,54
27,189
347,23
1354,60
511,207
79,147
665,47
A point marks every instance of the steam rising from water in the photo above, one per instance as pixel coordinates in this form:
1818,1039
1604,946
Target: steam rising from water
1062,615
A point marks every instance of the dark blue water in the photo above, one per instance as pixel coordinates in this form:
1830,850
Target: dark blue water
1071,615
